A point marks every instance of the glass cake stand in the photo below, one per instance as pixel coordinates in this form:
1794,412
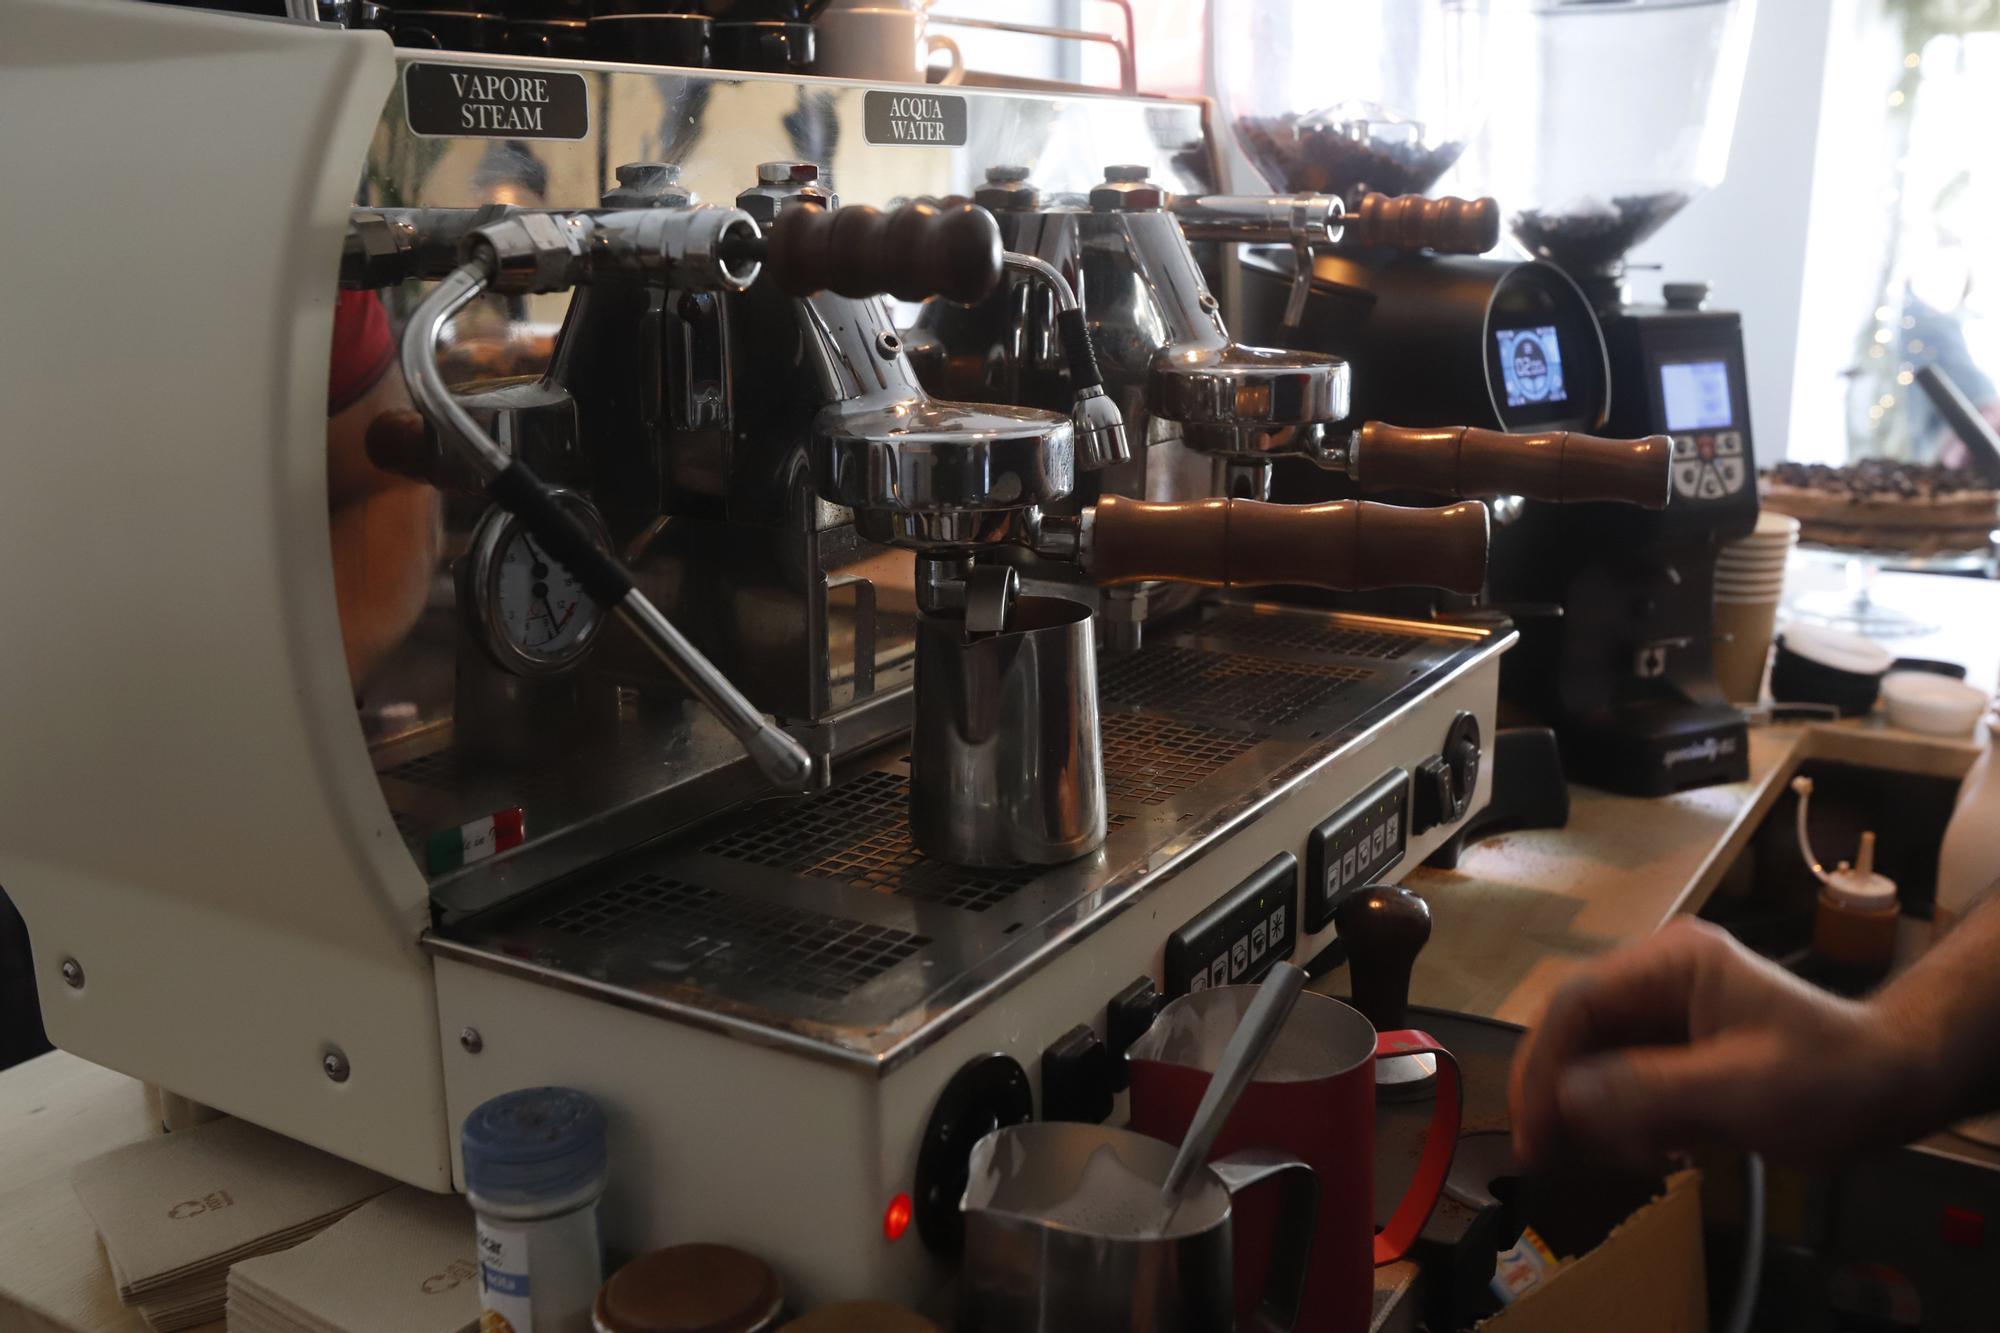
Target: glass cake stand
1853,606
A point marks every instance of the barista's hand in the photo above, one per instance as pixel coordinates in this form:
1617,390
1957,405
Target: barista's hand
1689,1038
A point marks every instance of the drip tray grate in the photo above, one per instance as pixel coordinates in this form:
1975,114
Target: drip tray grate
860,832
1257,693
1268,630
1149,760
692,930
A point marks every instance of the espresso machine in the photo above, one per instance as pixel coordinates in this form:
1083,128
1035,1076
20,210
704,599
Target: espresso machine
751,764
818,766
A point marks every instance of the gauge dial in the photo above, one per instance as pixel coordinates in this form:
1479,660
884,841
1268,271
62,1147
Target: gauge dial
531,613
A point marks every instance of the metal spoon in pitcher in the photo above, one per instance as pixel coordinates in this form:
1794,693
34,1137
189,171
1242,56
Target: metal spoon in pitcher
1240,1058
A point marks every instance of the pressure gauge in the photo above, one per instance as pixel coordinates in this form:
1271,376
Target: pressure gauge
529,612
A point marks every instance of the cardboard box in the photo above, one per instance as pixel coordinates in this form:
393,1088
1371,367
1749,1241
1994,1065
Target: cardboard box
1648,1276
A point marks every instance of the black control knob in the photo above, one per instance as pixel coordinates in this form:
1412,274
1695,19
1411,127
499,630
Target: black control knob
1442,791
1384,929
1076,1078
988,1094
1126,1018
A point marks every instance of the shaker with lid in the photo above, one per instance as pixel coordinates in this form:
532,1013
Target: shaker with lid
535,1167
1854,921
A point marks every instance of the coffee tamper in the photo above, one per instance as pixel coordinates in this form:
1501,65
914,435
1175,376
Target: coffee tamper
1384,929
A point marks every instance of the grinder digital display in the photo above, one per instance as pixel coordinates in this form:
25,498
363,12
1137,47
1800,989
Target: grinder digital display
1695,395
1531,365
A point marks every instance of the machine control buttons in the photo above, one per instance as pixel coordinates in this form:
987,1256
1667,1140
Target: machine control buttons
1214,949
1355,844
1126,1019
988,1094
1709,465
1076,1078
1445,782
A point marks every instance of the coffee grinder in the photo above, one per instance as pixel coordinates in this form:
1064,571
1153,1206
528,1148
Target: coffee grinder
1616,607
1586,160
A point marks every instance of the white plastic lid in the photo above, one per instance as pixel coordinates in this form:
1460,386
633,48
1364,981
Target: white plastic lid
1929,689
1862,890
1838,649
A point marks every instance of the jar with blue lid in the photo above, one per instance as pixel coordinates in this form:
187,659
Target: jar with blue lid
535,1168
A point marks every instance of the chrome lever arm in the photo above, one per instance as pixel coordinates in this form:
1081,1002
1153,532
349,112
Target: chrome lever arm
514,486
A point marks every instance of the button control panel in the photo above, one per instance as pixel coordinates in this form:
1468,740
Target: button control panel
1354,845
1238,939
1709,464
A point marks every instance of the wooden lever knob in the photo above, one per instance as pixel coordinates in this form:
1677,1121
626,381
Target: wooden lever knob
1414,222
1384,929
912,253
1345,545
1565,467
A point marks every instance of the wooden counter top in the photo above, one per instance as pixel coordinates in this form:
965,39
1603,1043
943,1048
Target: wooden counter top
1524,909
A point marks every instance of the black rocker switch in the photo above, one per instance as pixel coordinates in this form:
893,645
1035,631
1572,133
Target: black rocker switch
1126,1019
1384,929
1445,781
1076,1077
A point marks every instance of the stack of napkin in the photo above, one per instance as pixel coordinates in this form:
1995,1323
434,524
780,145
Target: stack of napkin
405,1263
176,1212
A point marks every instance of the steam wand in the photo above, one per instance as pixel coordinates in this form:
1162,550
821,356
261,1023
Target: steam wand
514,486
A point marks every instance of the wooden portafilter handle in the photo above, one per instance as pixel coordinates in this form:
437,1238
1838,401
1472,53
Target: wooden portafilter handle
1344,545
1384,929
1414,222
1565,467
912,253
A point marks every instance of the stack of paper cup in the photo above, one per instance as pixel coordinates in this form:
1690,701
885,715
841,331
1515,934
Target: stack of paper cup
1749,583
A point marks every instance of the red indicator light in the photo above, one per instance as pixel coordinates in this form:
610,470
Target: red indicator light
1963,1227
896,1217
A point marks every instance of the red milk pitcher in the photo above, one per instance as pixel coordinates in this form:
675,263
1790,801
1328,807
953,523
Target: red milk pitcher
1313,1097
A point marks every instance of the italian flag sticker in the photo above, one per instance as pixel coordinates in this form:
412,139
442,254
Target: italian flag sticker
461,846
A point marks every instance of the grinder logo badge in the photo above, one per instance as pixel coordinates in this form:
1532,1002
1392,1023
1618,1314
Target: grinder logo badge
482,102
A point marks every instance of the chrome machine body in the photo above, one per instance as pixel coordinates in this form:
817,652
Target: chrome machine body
793,1015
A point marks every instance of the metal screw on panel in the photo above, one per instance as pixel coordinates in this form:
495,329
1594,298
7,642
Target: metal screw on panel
888,345
72,973
470,1039
1128,173
1007,175
334,1062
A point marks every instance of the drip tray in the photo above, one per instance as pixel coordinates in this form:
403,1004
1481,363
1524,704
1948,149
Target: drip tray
818,917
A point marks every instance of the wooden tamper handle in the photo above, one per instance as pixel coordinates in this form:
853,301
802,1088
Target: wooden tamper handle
1344,545
1566,467
1384,929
